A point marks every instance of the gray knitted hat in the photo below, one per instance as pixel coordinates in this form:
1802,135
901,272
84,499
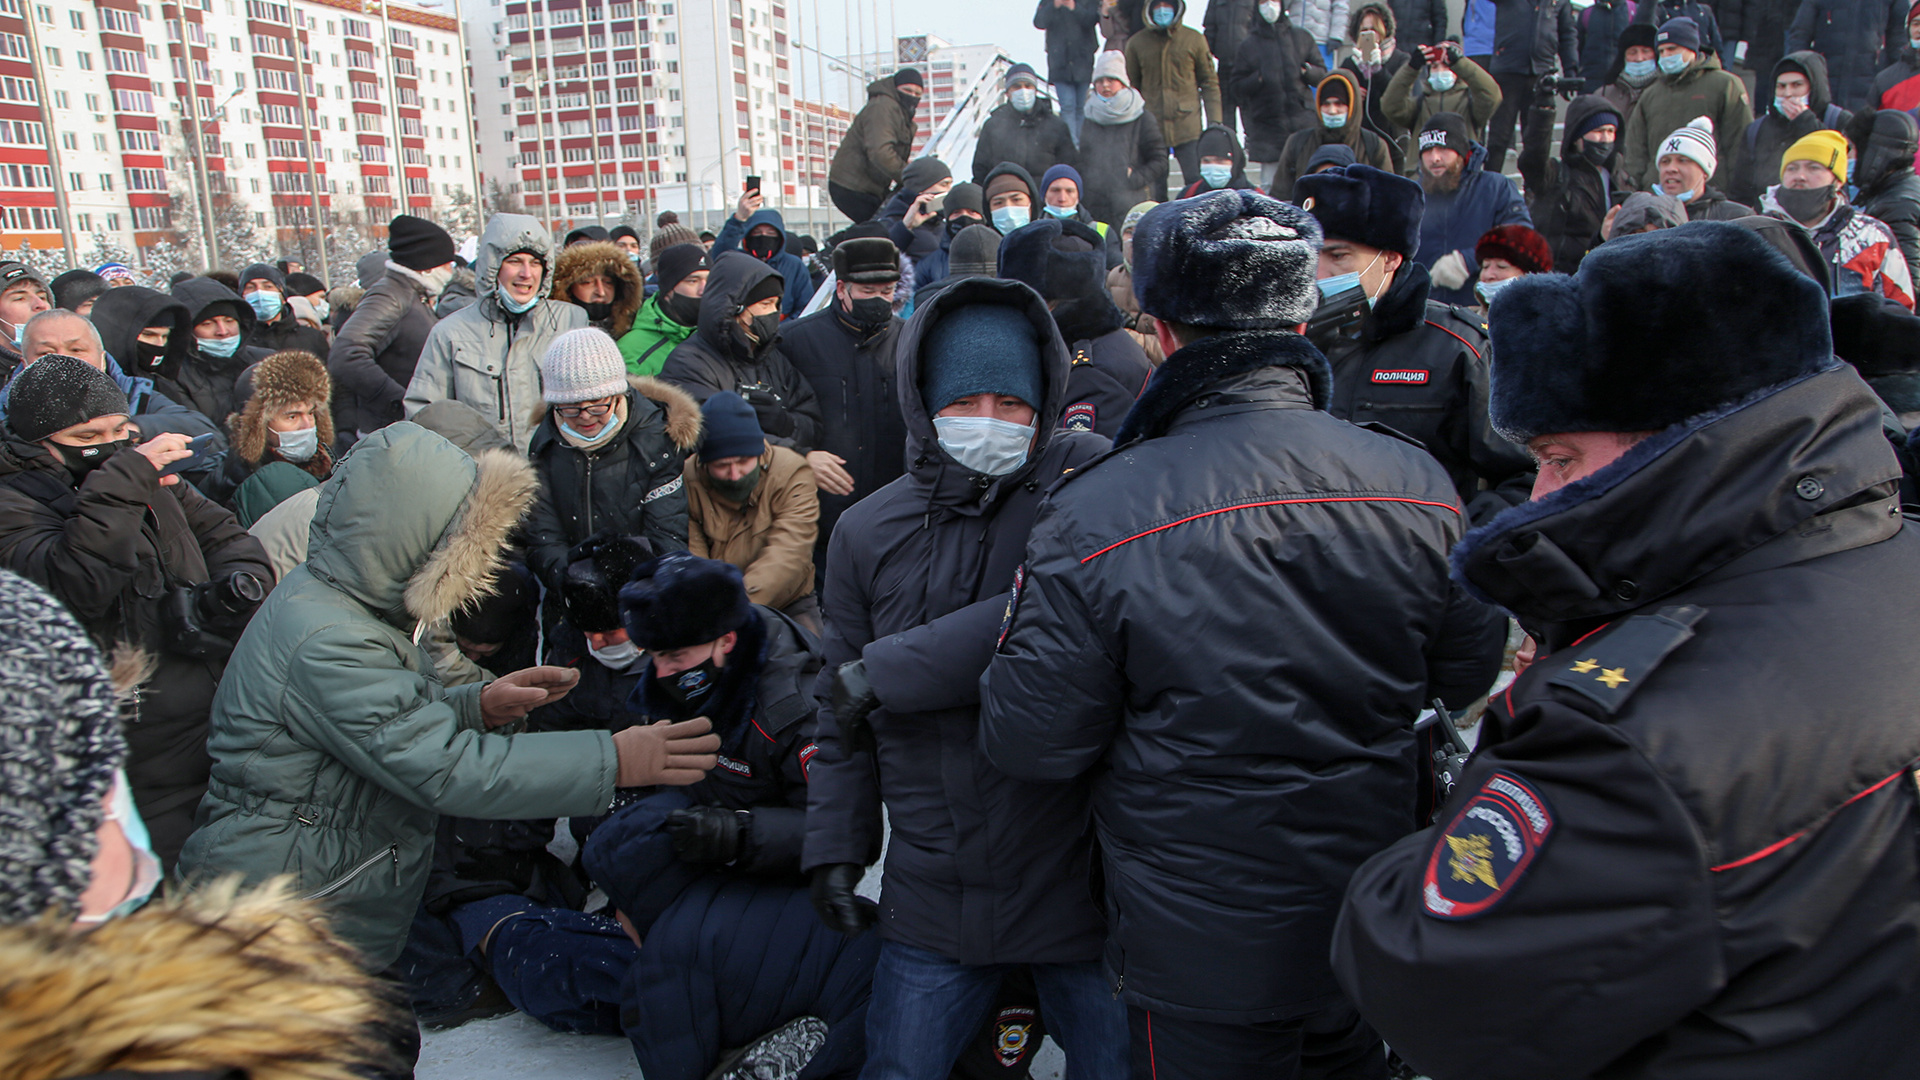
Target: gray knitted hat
582,365
56,392
59,746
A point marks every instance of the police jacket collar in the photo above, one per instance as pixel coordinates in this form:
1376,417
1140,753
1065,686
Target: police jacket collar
1191,372
1403,307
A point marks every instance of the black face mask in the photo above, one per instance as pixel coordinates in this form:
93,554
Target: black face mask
1804,205
684,310
955,224
692,686
82,460
869,313
757,339
149,357
736,491
763,248
1596,153
597,312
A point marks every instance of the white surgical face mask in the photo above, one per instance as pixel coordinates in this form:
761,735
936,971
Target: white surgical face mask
1486,289
146,865
1270,12
984,445
1022,97
438,277
1008,218
616,657
321,309
298,445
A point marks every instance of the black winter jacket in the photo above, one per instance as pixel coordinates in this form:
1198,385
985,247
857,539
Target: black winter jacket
374,353
1858,38
1035,140
1071,40
1237,785
716,358
1600,28
1889,190
1123,165
1273,78
982,868
1225,25
1421,368
1109,368
1568,197
1416,22
287,332
1530,35
111,551
1762,24
1697,807
1658,12
208,381
1771,134
852,378
632,486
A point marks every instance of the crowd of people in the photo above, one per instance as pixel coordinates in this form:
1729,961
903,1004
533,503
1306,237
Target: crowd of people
1103,556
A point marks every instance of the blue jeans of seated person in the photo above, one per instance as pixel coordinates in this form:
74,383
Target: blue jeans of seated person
927,1008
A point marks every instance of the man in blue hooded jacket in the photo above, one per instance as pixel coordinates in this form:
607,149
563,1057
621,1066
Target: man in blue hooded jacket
763,234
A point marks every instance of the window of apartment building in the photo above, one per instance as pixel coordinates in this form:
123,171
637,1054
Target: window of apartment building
53,57
252,183
144,217
78,19
93,102
106,181
60,100
146,179
69,141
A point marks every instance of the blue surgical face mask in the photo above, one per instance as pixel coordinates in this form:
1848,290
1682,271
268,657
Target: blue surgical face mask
1442,80
1486,289
1163,17
513,306
984,445
1334,120
1673,63
1008,218
1780,103
220,346
633,257
1687,195
1640,69
19,335
1339,283
1216,176
1022,97
1061,211
266,303
298,445
146,866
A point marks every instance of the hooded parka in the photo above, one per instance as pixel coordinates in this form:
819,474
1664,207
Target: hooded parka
1368,148
717,357
152,388
1568,197
791,268
376,350
1273,77
1236,786
1854,36
1769,136
652,339
1035,140
208,381
335,746
631,486
1373,79
982,868
1670,102
1889,190
483,354
1717,746
878,144
582,261
112,550
1173,70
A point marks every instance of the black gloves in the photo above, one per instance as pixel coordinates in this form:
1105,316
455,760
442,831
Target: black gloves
833,897
709,834
772,413
853,699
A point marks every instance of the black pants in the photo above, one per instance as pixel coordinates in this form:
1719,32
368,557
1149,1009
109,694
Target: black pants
857,205
1188,155
1516,101
1331,1045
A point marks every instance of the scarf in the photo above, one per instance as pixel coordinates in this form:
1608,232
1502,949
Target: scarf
1122,108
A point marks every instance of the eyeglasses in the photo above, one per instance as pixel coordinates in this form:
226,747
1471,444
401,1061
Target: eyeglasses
591,412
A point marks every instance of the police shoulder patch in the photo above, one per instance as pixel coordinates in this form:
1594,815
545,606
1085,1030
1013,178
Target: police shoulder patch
1486,849
1078,417
1609,671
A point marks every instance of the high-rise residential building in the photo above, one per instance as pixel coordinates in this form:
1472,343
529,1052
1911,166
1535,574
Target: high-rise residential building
185,122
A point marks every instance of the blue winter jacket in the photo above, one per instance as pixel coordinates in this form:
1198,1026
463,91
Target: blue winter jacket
1456,221
791,268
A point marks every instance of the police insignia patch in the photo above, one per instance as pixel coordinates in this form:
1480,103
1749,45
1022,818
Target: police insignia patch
1014,1037
1483,853
1078,417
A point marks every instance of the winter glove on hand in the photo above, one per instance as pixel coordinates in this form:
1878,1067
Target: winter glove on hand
665,753
709,834
1450,272
775,421
834,901
853,699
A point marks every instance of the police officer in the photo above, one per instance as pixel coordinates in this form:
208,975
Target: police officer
1416,365
1686,845
1236,784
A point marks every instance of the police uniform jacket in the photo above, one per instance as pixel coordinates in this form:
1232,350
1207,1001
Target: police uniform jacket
1686,847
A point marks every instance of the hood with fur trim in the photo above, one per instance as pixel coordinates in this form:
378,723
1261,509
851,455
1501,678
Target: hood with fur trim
218,980
413,528
583,261
286,377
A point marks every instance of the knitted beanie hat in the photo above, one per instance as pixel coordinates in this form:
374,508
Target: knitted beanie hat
1112,64
59,746
1680,31
76,287
1826,148
419,244
673,265
731,427
582,365
56,392
975,252
1134,215
668,236
1695,142
981,349
1525,249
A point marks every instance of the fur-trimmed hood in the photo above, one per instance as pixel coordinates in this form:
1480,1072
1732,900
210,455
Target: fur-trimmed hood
413,528
583,261
286,377
678,410
218,980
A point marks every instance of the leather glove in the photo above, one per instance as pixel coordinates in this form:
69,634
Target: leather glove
853,699
834,901
709,834
1450,271
666,753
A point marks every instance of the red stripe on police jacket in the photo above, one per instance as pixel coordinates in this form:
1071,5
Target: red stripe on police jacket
1267,502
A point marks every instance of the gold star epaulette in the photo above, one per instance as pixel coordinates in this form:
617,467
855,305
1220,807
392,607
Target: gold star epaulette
1610,668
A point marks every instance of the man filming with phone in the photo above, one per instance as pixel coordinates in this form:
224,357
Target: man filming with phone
156,572
762,233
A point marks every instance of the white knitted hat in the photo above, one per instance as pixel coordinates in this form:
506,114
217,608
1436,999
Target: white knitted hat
582,365
1695,142
1111,65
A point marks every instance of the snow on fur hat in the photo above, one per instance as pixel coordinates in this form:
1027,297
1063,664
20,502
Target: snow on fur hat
1626,344
1693,141
1365,205
286,377
1525,249
1061,259
1227,260
679,600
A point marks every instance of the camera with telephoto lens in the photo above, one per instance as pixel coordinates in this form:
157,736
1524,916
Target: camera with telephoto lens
202,620
1338,317
1568,86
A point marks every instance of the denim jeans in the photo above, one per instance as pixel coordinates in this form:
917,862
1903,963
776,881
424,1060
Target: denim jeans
1073,104
926,1008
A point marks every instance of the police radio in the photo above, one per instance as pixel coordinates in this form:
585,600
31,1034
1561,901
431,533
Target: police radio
1450,756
